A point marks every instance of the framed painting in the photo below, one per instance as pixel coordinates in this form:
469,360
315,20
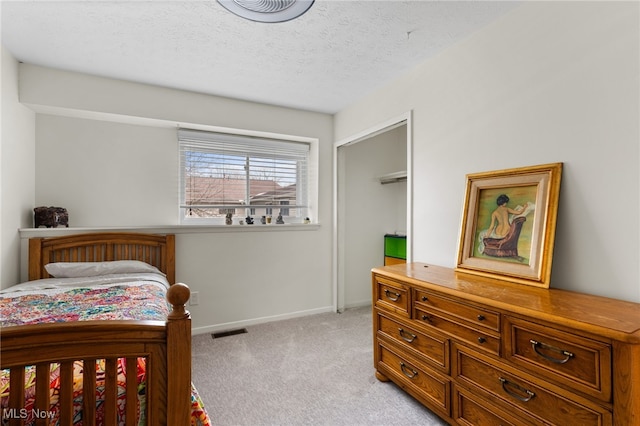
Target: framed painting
508,224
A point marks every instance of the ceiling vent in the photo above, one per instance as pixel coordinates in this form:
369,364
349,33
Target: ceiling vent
270,11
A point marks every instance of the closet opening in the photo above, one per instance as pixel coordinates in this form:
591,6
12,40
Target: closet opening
372,195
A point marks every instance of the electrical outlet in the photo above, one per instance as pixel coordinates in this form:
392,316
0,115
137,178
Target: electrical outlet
193,300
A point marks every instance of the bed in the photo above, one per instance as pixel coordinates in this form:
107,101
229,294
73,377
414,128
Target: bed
106,340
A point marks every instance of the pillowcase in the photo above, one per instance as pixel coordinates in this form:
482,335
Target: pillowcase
93,269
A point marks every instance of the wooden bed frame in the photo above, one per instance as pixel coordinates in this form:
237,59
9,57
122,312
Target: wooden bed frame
165,345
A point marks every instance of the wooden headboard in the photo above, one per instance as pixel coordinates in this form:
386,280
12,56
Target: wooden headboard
156,250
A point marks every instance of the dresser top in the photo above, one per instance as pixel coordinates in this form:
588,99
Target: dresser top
612,318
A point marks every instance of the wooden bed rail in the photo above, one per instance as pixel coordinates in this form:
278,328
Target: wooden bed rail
166,348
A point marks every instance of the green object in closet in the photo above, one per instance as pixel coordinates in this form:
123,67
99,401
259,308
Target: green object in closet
395,246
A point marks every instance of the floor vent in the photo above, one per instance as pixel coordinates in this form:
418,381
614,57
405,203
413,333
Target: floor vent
228,333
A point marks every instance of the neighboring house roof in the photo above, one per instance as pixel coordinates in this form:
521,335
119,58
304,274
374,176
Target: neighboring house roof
224,191
282,193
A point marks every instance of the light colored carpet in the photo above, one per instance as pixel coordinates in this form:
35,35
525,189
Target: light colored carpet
315,370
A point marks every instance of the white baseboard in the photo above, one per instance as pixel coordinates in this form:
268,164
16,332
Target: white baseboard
245,323
359,304
356,304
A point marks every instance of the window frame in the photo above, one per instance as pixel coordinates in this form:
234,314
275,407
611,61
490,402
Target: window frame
311,183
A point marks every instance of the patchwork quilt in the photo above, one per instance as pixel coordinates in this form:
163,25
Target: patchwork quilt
117,297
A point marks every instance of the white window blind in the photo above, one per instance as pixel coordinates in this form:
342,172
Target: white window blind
241,175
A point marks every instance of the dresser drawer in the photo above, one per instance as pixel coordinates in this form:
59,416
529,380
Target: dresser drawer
392,295
477,338
434,349
481,317
471,409
550,406
424,384
573,361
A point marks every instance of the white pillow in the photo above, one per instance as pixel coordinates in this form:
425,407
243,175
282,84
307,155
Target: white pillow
93,269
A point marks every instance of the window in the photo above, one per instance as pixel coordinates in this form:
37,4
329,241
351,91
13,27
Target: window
225,174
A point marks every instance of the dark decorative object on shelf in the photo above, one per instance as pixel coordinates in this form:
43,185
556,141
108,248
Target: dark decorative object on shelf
249,220
228,219
279,219
51,217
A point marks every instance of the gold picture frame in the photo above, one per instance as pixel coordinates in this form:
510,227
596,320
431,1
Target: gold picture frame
508,224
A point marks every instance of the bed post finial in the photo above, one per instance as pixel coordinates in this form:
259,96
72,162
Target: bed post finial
178,356
178,295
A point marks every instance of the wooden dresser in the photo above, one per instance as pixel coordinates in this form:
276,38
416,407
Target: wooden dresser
478,351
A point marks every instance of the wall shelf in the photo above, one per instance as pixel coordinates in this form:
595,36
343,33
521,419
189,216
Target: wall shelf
393,177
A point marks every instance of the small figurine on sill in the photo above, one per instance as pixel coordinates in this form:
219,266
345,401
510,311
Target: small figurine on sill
249,220
229,219
279,219
263,220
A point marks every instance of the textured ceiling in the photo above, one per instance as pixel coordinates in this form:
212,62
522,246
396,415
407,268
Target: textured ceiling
336,53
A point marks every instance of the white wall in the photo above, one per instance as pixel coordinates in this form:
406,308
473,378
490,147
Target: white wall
17,146
548,82
107,151
106,173
367,209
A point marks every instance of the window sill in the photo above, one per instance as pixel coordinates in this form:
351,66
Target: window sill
26,233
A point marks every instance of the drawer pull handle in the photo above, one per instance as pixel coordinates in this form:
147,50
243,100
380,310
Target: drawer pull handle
529,394
410,373
426,318
404,335
481,318
389,294
567,355
481,340
425,298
